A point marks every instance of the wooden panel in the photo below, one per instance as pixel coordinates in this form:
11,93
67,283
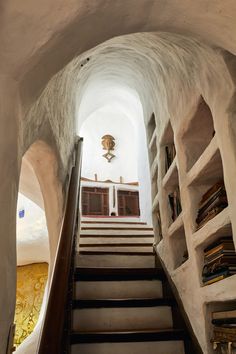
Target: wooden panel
128,203
95,201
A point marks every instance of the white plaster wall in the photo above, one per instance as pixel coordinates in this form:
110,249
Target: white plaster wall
165,71
108,120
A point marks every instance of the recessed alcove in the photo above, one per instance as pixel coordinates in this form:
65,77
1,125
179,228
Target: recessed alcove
178,247
217,229
168,148
216,306
198,133
203,178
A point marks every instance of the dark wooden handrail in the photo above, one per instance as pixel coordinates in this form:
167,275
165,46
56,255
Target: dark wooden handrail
54,329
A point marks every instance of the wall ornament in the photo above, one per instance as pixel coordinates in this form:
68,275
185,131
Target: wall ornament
108,143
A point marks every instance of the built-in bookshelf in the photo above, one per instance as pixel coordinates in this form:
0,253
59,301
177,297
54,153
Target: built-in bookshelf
190,167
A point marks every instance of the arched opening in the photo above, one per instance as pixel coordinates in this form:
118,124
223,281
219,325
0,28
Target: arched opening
109,108
38,223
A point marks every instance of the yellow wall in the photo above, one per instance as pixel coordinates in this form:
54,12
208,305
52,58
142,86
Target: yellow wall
31,281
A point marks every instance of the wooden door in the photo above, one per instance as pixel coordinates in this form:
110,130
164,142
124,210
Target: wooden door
95,201
128,203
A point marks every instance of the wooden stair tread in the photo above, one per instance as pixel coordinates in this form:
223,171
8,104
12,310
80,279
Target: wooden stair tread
128,336
110,303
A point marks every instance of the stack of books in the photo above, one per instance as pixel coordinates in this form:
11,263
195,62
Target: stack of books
175,204
211,204
224,330
219,260
169,155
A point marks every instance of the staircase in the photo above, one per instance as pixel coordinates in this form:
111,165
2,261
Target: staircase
122,304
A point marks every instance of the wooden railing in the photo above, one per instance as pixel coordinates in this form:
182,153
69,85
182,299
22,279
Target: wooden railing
56,326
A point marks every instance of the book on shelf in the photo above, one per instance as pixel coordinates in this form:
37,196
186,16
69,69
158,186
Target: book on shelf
224,330
224,334
175,204
224,315
211,204
219,260
169,155
223,245
212,278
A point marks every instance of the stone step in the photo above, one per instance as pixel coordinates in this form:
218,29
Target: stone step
136,289
118,226
112,222
113,261
122,318
154,347
97,240
167,347
113,249
117,232
110,219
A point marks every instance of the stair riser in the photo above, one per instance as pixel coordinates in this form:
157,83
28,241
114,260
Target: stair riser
115,240
170,347
115,261
118,289
114,233
116,248
132,318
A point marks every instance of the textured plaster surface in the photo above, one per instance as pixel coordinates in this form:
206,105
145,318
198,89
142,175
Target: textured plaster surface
167,73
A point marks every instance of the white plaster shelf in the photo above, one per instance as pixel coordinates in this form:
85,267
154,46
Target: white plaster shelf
155,202
154,167
218,226
176,225
208,167
181,270
171,177
153,137
216,291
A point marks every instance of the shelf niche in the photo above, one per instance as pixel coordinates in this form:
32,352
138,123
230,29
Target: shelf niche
215,250
198,134
168,147
211,308
178,247
209,174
